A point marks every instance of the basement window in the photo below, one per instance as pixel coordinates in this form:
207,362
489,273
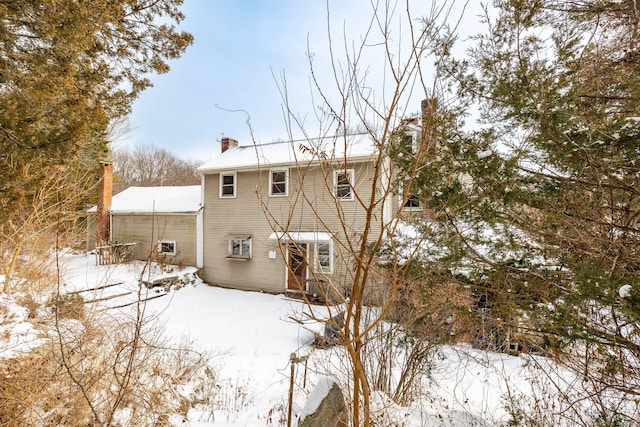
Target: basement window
167,247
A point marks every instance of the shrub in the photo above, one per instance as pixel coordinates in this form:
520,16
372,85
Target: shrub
69,306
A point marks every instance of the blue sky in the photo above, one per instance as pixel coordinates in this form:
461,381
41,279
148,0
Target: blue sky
241,49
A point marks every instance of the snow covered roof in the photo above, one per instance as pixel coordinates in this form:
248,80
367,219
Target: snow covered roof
170,199
300,236
357,148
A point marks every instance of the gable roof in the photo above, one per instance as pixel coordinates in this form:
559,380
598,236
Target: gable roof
170,199
358,148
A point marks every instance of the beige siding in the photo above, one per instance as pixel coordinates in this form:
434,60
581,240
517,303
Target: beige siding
309,206
91,231
147,230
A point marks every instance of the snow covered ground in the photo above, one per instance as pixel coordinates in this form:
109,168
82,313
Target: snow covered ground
253,336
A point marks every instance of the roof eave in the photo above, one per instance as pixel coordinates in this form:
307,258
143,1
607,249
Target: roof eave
266,166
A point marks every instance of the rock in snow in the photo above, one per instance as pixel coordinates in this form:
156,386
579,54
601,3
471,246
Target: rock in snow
624,291
325,406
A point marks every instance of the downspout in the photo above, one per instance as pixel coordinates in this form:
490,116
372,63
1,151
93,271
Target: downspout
200,228
199,239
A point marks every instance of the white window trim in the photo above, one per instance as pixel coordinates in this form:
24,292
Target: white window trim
235,185
230,241
318,267
286,182
404,196
414,141
172,242
404,202
350,177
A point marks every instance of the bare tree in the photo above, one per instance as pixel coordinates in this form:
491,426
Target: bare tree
55,213
146,165
372,267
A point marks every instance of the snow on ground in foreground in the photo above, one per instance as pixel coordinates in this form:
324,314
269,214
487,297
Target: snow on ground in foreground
253,336
17,334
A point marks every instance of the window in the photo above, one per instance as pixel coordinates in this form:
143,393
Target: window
408,198
278,182
412,203
240,247
412,141
167,247
228,185
343,181
324,257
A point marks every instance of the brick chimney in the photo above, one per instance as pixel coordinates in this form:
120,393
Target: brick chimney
226,143
426,109
105,193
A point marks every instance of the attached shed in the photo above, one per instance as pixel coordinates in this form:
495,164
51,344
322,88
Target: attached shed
165,223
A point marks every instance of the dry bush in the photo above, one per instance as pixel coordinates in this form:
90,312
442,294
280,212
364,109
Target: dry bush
49,221
431,308
101,368
67,306
435,307
27,301
28,395
105,370
128,373
32,274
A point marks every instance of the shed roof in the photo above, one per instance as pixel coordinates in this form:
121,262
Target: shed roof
352,147
167,199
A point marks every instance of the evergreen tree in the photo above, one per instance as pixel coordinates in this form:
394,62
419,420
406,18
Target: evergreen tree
67,69
541,205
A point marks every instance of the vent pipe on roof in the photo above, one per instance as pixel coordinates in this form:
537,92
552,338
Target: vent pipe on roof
226,143
105,194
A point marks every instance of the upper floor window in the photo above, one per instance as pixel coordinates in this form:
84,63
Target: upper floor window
228,184
343,184
413,141
278,182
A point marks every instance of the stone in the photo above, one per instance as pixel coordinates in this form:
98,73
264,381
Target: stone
333,327
325,406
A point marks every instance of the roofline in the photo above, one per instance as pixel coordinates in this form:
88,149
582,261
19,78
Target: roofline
308,163
155,212
300,163
92,210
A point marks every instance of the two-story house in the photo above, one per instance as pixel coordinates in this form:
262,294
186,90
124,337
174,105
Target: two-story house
283,216
279,217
